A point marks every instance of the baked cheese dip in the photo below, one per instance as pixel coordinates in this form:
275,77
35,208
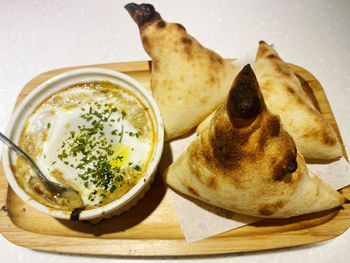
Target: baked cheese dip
96,137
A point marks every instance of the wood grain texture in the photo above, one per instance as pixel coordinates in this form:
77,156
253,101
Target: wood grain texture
151,227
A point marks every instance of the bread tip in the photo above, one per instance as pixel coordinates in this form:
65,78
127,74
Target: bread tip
245,101
247,70
263,49
142,13
130,6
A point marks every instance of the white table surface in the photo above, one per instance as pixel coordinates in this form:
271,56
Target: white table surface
37,36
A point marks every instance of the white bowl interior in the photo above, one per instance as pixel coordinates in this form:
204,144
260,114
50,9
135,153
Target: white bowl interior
62,81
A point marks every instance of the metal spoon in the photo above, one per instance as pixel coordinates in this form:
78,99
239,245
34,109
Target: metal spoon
57,189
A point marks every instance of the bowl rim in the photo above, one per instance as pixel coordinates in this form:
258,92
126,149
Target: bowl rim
115,205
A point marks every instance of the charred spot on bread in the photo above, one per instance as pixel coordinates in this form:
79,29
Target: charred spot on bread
229,155
212,183
142,13
283,70
270,209
290,90
272,56
274,126
322,136
328,140
229,144
302,103
180,27
245,101
161,24
262,141
270,129
291,161
187,45
212,79
192,191
278,172
287,165
186,40
145,42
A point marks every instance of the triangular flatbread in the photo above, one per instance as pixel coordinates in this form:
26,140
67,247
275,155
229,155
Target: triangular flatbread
245,161
188,81
313,135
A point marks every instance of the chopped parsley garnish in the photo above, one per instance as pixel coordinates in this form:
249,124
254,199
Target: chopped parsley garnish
131,134
92,153
113,188
121,134
137,168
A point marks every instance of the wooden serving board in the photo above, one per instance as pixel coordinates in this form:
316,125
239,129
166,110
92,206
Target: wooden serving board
151,227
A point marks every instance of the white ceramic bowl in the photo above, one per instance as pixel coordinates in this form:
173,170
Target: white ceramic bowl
62,81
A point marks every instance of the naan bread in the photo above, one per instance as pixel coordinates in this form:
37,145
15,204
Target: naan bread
188,81
245,161
313,135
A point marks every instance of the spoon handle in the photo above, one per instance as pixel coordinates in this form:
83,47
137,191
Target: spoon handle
14,147
69,194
